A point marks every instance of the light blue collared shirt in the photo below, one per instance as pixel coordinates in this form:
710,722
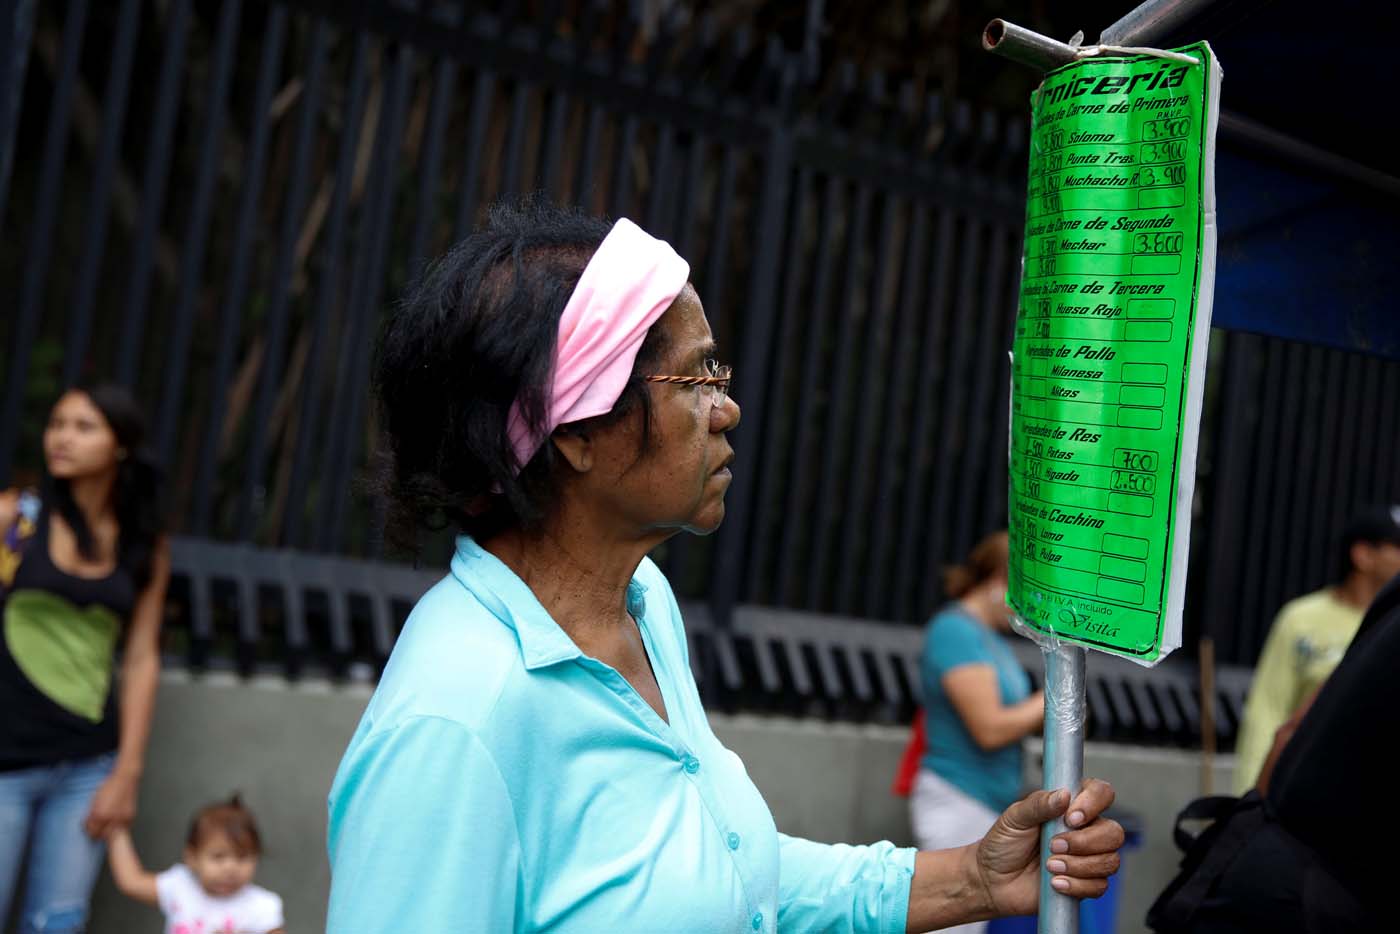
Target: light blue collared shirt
502,781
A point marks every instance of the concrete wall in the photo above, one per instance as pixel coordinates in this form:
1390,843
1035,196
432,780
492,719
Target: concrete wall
279,745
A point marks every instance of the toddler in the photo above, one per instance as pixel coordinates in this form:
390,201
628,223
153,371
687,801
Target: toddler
211,891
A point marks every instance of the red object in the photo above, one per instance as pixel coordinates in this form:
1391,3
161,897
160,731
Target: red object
909,762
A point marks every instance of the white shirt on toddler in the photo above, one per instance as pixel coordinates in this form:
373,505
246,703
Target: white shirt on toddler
189,909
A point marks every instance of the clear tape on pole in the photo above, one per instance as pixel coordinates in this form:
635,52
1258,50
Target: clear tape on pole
1063,767
1065,667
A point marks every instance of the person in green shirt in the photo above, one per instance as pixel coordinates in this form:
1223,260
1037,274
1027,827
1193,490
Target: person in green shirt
1310,635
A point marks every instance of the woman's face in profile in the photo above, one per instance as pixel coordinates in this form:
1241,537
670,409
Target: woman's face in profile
681,480
78,442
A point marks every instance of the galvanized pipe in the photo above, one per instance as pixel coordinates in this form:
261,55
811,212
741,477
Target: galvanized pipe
1248,134
1151,21
1064,768
1025,46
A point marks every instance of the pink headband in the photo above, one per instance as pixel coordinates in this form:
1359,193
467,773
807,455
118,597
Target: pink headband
629,282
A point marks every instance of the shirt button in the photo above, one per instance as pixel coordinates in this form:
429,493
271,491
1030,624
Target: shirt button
691,764
758,920
733,840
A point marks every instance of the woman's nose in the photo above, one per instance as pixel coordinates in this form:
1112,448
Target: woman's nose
725,416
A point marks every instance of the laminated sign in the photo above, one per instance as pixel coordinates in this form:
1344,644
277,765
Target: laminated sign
1108,360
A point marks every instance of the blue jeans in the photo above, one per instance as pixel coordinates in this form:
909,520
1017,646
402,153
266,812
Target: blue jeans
44,807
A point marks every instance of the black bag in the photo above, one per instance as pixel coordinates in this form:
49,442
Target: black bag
1205,856
1245,873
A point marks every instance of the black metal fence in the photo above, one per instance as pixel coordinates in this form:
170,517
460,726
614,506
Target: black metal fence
216,202
1300,437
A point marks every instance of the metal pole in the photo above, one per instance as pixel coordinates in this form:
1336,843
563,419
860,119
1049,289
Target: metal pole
1025,46
1151,21
1247,133
1207,666
15,36
1064,768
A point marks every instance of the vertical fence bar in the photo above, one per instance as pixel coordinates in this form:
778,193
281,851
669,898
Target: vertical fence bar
797,512
658,211
483,96
41,240
1241,429
585,188
914,564
1285,496
157,175
99,208
985,367
878,314
365,312
236,290
1364,475
293,520
940,544
898,446
275,324
1344,494
620,188
430,168
717,258
195,239
1288,576
1259,511
687,193
1391,425
761,308
994,513
1387,483
826,523
1230,485
771,463
552,144
1297,529
1322,527
16,34
512,171
355,328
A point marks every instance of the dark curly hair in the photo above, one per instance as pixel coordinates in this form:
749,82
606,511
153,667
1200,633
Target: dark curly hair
137,495
473,335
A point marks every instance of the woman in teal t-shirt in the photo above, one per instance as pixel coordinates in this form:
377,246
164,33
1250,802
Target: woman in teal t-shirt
978,707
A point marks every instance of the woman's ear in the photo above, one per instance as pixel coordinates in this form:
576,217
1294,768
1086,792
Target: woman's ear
575,446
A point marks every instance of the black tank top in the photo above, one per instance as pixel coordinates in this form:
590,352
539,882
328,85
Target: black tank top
57,659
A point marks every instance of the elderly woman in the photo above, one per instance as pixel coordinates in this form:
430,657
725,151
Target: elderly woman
536,757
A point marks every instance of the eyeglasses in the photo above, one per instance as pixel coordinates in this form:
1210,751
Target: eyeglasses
717,381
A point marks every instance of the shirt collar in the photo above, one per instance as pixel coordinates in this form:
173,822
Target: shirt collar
509,599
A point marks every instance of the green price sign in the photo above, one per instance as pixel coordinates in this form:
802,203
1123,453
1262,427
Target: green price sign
1109,349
